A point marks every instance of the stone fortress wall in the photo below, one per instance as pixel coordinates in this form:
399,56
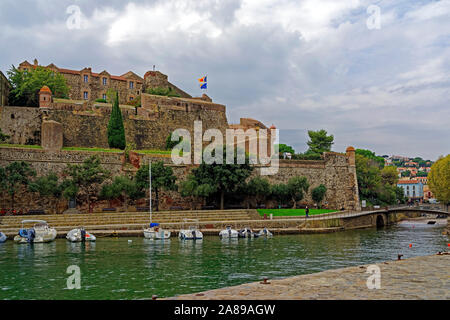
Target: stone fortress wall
147,127
334,171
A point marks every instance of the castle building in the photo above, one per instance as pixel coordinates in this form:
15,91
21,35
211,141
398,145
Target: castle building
4,89
90,86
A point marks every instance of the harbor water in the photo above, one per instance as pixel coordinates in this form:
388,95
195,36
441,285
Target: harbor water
137,268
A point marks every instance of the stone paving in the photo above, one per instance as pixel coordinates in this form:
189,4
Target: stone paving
418,278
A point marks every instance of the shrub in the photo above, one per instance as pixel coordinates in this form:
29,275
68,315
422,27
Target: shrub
168,92
101,100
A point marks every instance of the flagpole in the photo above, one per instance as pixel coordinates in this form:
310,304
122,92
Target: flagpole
150,186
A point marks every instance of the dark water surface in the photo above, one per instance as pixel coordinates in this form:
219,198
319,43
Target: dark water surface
114,268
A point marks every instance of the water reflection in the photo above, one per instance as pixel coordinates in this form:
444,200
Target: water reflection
80,247
188,247
35,250
157,245
228,241
116,269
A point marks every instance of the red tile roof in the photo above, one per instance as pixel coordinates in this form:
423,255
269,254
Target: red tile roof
407,182
45,89
70,71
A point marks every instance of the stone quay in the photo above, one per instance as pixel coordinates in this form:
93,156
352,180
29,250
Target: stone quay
418,278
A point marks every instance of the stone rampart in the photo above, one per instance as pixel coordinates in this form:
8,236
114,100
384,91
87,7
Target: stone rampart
146,129
333,171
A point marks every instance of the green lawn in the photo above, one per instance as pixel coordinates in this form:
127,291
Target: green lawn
91,149
292,212
153,151
10,145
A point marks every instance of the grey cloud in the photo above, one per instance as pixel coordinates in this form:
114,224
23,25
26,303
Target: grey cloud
350,81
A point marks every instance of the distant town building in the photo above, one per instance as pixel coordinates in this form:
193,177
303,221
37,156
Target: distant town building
412,189
423,180
4,89
427,194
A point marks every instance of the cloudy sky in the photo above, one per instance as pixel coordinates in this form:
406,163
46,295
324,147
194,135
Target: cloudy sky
381,84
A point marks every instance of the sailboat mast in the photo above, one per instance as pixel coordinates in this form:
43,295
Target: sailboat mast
150,186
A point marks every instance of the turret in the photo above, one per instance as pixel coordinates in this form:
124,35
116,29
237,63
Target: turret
350,152
45,97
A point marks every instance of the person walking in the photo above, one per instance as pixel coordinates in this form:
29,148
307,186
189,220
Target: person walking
307,211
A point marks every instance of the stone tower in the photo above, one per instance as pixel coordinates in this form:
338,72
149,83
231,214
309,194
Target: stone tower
45,97
350,153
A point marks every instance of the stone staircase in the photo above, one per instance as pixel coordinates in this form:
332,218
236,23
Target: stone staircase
111,221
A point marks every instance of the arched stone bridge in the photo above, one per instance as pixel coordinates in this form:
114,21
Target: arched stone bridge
380,217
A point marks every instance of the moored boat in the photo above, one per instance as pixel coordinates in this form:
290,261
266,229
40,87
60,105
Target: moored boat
80,235
192,233
3,237
247,232
155,232
265,233
228,233
40,232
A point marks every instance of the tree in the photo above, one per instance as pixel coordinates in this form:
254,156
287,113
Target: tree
368,176
25,85
86,177
111,95
116,130
318,193
377,185
48,187
258,188
222,177
371,155
400,195
406,173
162,178
319,141
285,148
15,176
190,188
123,187
389,175
280,192
297,187
439,179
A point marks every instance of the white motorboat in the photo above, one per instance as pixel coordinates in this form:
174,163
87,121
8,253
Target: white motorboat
154,231
265,233
40,232
3,237
80,235
228,233
247,233
192,233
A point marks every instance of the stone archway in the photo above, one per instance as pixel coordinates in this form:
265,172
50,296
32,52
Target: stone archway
380,221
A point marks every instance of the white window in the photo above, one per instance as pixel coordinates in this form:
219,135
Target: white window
131,84
105,81
104,96
85,95
86,79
